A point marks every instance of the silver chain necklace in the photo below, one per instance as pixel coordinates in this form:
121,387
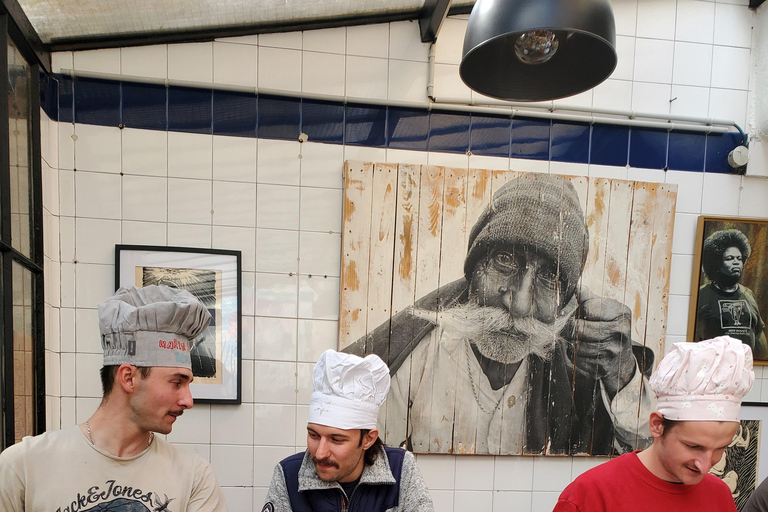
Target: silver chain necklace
88,428
472,382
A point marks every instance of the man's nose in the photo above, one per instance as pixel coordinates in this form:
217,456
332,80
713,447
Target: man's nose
714,457
706,461
519,298
186,401
322,451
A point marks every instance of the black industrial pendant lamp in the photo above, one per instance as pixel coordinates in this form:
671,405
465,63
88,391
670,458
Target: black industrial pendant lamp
536,50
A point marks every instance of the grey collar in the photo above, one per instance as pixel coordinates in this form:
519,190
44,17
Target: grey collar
376,474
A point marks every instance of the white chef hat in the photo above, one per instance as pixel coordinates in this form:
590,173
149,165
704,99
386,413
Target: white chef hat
703,381
348,390
150,326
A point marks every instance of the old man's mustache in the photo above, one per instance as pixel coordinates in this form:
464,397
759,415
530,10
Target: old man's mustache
496,334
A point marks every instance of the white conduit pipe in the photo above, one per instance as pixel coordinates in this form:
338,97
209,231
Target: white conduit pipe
621,118
547,110
580,118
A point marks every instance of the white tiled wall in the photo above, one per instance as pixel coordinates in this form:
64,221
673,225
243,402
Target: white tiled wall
280,203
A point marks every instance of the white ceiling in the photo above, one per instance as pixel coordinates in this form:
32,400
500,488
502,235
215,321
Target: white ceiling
62,22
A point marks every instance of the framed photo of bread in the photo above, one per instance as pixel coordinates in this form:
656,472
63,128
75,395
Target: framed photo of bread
729,290
213,276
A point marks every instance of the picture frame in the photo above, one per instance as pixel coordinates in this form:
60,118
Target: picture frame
739,465
729,301
214,277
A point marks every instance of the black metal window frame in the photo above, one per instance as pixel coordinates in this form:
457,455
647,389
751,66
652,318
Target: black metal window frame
8,254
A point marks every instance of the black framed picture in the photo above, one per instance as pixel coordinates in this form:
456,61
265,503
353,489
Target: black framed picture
729,289
213,276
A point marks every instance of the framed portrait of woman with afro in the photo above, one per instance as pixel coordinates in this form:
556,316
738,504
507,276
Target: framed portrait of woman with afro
729,292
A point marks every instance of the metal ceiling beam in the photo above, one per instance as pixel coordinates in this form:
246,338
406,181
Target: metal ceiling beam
24,34
431,18
198,35
187,36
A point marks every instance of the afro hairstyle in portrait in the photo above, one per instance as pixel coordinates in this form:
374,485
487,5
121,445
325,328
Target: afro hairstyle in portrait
715,246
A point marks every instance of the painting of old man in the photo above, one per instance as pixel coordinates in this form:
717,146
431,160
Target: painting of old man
543,320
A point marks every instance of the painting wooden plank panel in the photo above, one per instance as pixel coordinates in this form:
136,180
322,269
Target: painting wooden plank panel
430,226
506,436
383,213
615,283
661,261
479,190
500,178
444,390
454,225
468,416
658,279
355,247
430,229
596,213
395,419
638,264
406,237
639,256
619,224
563,424
453,400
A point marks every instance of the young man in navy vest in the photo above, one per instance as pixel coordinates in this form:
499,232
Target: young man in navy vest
346,467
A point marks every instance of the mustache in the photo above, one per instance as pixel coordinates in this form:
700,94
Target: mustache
325,462
496,334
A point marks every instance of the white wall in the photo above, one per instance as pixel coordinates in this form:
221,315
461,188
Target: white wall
259,196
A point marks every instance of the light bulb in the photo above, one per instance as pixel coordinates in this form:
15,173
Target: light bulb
536,46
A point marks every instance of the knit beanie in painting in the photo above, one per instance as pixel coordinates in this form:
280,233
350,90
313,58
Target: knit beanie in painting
538,211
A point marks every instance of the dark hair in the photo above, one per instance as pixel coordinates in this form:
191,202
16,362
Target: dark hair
715,246
373,451
667,425
108,374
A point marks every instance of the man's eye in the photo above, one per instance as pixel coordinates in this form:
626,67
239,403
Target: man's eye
547,278
545,282
505,262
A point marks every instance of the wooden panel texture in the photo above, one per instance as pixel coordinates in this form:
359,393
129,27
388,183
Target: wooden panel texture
518,313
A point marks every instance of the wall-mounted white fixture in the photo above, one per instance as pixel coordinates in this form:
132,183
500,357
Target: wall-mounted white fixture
738,159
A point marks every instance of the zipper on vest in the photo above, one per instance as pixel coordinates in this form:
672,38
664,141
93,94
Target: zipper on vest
346,505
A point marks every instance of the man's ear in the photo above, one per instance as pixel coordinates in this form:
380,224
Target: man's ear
370,438
656,424
126,377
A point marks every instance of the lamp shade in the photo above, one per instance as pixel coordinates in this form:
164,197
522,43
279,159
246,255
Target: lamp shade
536,50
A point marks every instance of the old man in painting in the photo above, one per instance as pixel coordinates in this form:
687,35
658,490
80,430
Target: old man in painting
515,357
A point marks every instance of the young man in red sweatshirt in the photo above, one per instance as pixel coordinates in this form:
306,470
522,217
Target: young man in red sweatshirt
699,387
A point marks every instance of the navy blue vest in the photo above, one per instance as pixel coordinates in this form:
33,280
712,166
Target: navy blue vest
366,498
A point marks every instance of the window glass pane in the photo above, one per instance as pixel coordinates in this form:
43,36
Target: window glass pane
23,343
19,126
